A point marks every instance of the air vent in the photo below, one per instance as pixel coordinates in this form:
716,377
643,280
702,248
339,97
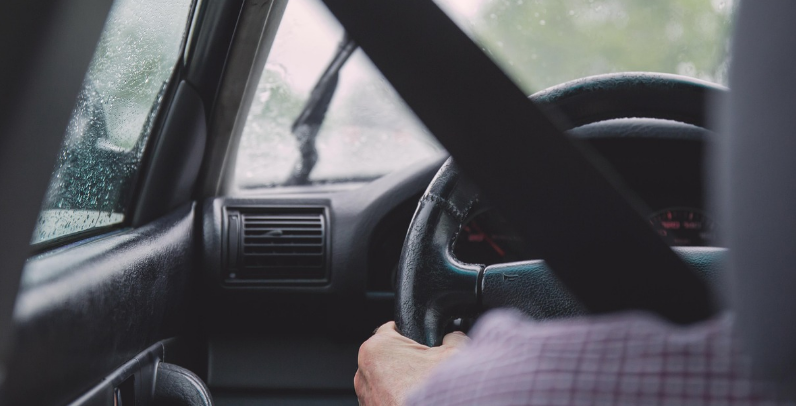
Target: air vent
276,244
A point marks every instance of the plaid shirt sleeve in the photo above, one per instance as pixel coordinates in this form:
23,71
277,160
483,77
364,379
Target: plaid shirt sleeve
622,359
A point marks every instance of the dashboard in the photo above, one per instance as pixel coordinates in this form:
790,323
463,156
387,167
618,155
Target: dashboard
659,164
487,238
343,246
278,264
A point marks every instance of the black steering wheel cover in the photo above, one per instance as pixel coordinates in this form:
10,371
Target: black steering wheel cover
627,95
432,285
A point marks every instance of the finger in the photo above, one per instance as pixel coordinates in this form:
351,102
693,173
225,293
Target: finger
455,339
388,327
357,381
360,387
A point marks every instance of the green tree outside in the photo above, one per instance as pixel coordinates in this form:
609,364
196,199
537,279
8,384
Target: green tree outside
541,43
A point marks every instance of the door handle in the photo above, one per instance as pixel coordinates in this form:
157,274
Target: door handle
177,386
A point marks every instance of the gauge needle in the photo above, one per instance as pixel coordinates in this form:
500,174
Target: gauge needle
488,239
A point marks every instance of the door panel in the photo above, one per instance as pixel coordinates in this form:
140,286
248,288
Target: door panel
86,309
46,49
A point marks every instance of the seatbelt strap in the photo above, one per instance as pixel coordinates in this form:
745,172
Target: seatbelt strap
595,241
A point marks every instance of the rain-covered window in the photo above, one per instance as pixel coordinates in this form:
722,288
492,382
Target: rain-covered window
358,130
367,131
541,43
106,136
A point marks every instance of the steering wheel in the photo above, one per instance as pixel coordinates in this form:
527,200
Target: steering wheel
434,287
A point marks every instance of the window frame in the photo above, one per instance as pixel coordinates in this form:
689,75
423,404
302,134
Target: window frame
218,177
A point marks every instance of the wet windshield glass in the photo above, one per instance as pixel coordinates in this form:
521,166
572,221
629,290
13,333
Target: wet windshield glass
541,43
367,131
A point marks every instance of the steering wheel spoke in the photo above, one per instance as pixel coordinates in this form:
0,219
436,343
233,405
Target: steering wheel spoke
530,287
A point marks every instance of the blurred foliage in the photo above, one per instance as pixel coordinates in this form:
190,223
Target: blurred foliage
541,43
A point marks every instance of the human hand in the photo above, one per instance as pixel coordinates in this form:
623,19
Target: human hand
391,365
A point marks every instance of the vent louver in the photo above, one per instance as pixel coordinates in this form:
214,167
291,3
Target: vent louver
277,245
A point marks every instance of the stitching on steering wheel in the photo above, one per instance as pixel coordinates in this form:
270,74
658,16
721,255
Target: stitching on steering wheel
467,209
449,207
461,221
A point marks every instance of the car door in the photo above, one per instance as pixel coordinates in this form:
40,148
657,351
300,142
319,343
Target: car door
108,285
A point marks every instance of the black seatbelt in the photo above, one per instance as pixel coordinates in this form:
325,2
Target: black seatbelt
586,230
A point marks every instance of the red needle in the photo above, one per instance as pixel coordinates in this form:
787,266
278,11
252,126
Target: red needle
488,239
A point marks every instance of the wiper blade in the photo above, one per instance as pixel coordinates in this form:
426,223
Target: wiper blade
307,124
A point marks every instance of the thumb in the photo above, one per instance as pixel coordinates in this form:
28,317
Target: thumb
456,339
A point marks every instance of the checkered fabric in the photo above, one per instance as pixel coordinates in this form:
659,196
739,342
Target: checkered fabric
623,359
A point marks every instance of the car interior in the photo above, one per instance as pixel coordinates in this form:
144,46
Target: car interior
161,273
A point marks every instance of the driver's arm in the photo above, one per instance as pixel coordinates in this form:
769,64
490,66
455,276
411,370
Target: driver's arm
391,365
627,358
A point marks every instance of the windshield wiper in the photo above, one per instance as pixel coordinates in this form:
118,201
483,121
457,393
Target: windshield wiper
307,124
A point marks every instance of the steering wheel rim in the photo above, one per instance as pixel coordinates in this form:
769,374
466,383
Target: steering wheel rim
433,285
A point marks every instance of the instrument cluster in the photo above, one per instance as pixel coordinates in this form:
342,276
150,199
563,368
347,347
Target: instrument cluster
486,238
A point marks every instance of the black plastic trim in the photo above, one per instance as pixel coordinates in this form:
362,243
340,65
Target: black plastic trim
140,371
178,386
208,57
175,159
227,259
91,307
339,306
76,237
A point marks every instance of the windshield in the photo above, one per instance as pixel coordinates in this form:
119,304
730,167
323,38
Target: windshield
359,129
365,131
541,43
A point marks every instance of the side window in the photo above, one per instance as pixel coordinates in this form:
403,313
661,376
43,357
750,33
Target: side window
105,139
